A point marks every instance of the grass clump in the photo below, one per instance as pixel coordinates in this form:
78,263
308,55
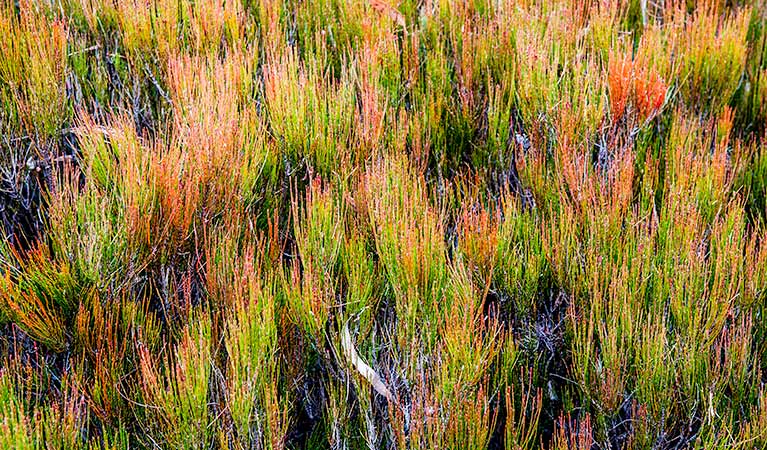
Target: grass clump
386,225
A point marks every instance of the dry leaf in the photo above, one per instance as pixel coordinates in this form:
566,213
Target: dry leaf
365,370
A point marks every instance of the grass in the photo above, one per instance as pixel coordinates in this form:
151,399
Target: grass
319,224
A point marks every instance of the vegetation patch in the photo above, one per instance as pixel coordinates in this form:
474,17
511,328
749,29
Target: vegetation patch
378,224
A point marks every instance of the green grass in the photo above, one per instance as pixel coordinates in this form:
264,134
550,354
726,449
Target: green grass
323,224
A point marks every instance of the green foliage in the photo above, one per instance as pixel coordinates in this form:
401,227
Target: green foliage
448,224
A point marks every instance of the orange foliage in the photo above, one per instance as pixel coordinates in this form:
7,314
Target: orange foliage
640,85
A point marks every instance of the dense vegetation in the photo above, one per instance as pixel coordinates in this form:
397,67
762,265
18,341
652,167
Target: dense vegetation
431,224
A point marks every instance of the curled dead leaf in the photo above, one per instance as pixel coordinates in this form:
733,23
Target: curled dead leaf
363,368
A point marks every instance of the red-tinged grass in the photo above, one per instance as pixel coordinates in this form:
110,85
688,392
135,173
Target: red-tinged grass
58,424
310,115
161,28
573,433
650,93
250,338
312,282
173,389
469,339
363,281
439,224
32,70
218,131
408,233
374,82
619,78
269,17
40,293
643,87
193,173
521,264
212,22
16,426
713,50
105,351
144,25
523,414
478,231
464,422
